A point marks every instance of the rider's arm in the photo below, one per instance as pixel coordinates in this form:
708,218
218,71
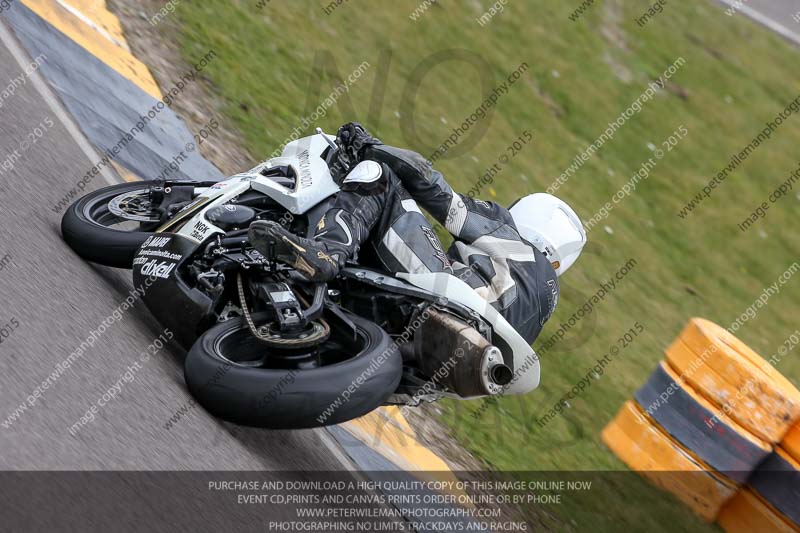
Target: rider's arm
465,218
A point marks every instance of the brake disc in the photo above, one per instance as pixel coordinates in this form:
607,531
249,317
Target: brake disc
134,205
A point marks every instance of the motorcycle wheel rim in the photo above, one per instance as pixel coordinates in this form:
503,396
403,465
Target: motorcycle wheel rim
240,348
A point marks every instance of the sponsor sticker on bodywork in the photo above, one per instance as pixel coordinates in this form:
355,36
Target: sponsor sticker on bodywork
158,269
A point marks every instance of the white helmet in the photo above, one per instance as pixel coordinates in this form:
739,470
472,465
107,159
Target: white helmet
552,227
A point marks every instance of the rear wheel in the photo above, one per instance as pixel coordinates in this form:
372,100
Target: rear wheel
107,225
237,378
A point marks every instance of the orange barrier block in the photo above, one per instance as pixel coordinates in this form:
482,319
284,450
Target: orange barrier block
734,377
747,513
647,449
791,443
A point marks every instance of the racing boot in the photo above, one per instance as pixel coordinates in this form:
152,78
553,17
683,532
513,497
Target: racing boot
317,260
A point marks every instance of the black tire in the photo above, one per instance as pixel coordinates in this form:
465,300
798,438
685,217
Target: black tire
98,243
292,399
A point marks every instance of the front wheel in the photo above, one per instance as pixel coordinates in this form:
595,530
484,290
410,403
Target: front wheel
239,379
105,226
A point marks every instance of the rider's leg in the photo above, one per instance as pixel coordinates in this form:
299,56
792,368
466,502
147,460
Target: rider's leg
380,212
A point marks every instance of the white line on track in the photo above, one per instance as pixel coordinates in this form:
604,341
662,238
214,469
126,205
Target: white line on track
777,27
52,101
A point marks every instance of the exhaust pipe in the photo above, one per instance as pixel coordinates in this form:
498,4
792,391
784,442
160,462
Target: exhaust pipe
501,375
495,374
456,356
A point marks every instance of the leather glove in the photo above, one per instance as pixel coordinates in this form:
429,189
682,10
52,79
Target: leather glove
354,138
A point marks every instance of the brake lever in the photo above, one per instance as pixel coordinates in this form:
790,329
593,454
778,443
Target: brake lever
341,157
332,144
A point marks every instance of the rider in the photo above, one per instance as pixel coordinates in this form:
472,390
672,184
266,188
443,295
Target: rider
511,257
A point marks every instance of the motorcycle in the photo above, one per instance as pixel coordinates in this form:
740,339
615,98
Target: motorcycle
266,347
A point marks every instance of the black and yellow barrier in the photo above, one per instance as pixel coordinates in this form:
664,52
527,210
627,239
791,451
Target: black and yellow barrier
713,425
701,427
735,378
648,449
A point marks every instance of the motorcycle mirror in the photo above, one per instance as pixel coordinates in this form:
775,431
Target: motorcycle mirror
330,142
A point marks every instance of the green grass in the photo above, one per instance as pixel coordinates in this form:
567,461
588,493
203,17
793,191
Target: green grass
737,76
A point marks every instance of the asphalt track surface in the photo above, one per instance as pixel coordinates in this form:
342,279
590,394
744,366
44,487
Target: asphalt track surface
780,11
58,299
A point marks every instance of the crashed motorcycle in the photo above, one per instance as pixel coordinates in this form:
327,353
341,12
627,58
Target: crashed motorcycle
266,347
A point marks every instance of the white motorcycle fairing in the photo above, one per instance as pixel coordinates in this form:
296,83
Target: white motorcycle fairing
313,183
